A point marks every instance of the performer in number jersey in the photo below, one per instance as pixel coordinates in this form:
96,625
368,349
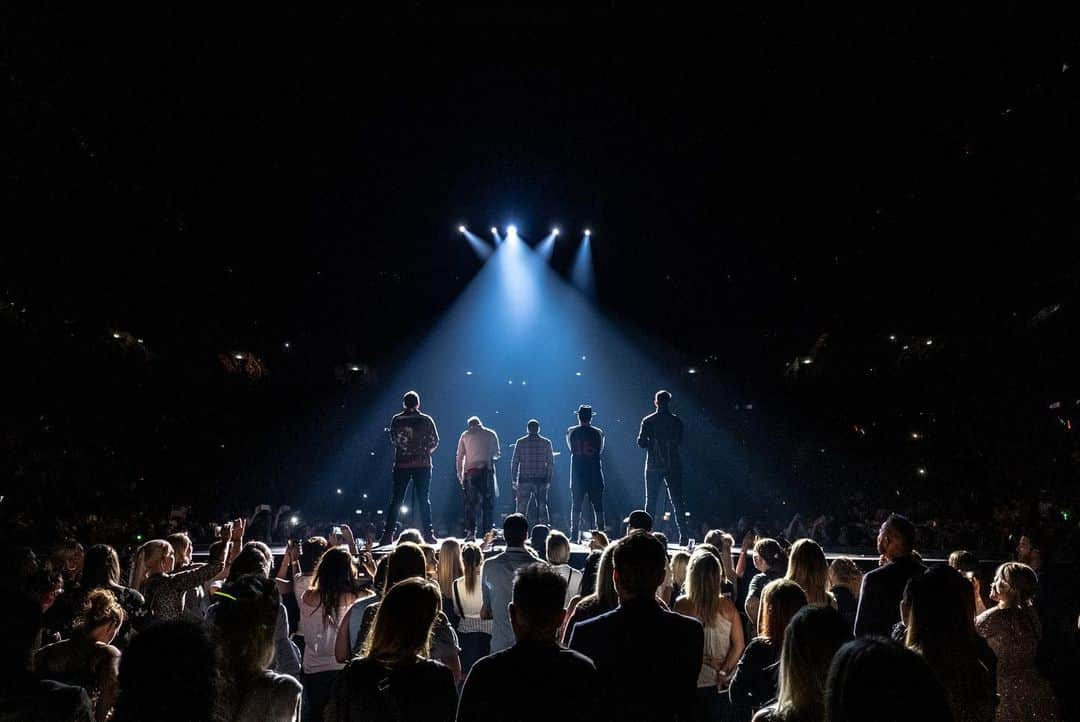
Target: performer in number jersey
586,444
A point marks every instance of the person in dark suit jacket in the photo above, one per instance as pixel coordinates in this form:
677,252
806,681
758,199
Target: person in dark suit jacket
648,658
882,588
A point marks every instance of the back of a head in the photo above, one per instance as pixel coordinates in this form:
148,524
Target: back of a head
662,399
97,608
811,640
872,678
515,530
450,566
407,560
640,562
558,548
1022,579
538,537
808,567
964,561
335,576
411,400
472,559
474,422
244,623
902,529
844,571
781,600
167,674
250,560
679,561
942,609
704,575
411,535
101,568
605,594
770,552
311,552
538,597
639,520
715,537
403,621
533,427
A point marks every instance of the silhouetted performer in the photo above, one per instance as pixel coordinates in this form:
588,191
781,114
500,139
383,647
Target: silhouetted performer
661,434
586,444
531,469
414,437
477,452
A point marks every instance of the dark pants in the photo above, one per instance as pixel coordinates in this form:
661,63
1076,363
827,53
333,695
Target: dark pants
661,486
586,481
479,488
421,481
527,491
474,646
317,690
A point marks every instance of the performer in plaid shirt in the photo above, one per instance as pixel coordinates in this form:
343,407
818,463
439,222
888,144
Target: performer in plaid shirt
530,472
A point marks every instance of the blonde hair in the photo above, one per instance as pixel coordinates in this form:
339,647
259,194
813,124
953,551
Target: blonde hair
843,572
678,567
472,560
808,568
703,579
450,566
100,607
149,554
403,622
558,548
1022,579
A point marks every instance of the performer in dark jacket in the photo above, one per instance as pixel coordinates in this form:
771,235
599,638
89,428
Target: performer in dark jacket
661,434
415,438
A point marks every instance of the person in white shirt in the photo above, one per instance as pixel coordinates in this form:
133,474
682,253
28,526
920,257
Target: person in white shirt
558,554
477,451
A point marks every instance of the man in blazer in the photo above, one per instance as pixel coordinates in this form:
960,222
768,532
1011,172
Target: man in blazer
882,588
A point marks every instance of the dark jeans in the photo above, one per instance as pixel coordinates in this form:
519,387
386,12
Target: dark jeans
661,486
479,488
586,481
317,690
527,491
474,645
421,481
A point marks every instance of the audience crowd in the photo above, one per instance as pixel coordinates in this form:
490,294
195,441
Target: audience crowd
522,630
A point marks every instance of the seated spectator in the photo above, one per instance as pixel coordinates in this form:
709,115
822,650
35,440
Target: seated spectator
252,561
497,580
810,642
244,623
505,685
639,646
771,563
394,679
845,580
25,697
168,673
474,633
88,659
101,570
756,678
333,589
724,641
152,572
882,588
1013,629
405,562
873,678
558,555
938,613
602,601
808,568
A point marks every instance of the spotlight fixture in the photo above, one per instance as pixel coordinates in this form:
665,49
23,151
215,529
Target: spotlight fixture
495,230
554,231
588,232
511,230
461,229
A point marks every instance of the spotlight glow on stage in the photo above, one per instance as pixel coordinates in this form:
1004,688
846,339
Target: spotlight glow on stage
461,229
511,230
588,232
554,231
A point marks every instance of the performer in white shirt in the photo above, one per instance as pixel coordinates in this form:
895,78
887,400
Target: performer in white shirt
477,451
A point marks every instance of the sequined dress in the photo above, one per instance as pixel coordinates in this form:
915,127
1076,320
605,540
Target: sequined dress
1025,695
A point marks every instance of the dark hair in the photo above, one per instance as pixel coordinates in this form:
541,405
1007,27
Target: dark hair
101,568
472,560
245,619
662,538
410,535
540,536
533,426
410,400
515,529
406,561
640,560
904,530
662,398
810,641
863,684
168,673
311,552
964,561
539,596
250,560
771,552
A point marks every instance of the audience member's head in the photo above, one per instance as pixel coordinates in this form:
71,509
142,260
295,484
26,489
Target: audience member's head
431,562
640,562
515,530
964,561
780,601
311,552
1014,585
679,562
808,568
101,568
811,640
768,554
98,618
472,561
662,538
703,583
873,678
262,547
896,537
335,578
406,561
604,595
558,548
538,539
411,535
843,572
182,548
250,560
403,622
153,557
450,566
536,609
639,520
67,558
247,609
168,674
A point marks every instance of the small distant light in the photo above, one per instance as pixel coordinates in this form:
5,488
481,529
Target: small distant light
354,367
373,454
522,383
578,373
495,230
511,230
461,229
905,348
404,509
691,371
916,435
239,357
287,345
359,512
588,232
807,361
339,491
138,537
929,342
892,337
365,495
510,381
294,520
922,471
582,358
554,231
379,511
116,335
667,515
686,514
468,373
